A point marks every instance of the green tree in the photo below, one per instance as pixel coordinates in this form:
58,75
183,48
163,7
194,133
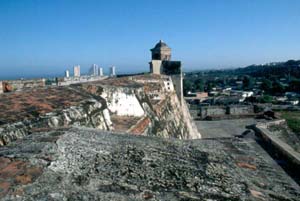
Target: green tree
210,85
294,86
248,83
291,63
277,87
199,85
266,85
187,86
266,99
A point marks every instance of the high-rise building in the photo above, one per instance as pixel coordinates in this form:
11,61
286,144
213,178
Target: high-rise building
93,70
77,71
1,87
112,71
67,73
100,73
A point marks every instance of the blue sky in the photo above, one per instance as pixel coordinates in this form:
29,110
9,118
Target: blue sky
45,37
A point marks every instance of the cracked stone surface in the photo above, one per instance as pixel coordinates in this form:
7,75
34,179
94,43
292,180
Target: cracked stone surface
92,104
88,164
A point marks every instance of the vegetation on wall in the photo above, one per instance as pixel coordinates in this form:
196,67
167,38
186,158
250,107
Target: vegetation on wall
293,120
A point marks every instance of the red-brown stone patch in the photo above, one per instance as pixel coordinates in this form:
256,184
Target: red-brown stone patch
42,129
4,187
141,126
12,169
147,195
4,162
244,158
246,165
7,87
159,107
123,123
16,172
31,103
23,179
152,87
245,162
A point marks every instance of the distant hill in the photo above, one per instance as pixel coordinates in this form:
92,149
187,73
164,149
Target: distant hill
278,69
290,68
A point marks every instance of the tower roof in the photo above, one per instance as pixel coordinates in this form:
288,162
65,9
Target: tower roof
161,44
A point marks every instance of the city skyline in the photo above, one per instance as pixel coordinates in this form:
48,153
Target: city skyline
46,37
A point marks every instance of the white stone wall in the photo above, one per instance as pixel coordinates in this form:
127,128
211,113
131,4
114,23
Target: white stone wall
19,85
177,81
193,130
122,102
169,85
155,66
75,80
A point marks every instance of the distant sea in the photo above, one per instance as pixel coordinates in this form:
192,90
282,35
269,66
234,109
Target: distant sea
53,75
29,76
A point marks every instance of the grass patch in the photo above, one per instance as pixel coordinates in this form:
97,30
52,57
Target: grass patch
293,120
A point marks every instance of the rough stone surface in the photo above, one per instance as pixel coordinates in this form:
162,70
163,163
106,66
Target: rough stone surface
16,85
93,105
87,164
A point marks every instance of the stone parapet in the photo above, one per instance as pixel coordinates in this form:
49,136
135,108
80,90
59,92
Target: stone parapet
1,87
276,144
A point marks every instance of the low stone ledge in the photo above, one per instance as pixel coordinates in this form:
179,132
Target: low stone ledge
280,146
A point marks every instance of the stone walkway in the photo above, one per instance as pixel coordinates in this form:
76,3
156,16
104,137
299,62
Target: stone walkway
223,128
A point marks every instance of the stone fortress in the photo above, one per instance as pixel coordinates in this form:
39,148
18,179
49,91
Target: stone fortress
161,64
126,138
150,104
